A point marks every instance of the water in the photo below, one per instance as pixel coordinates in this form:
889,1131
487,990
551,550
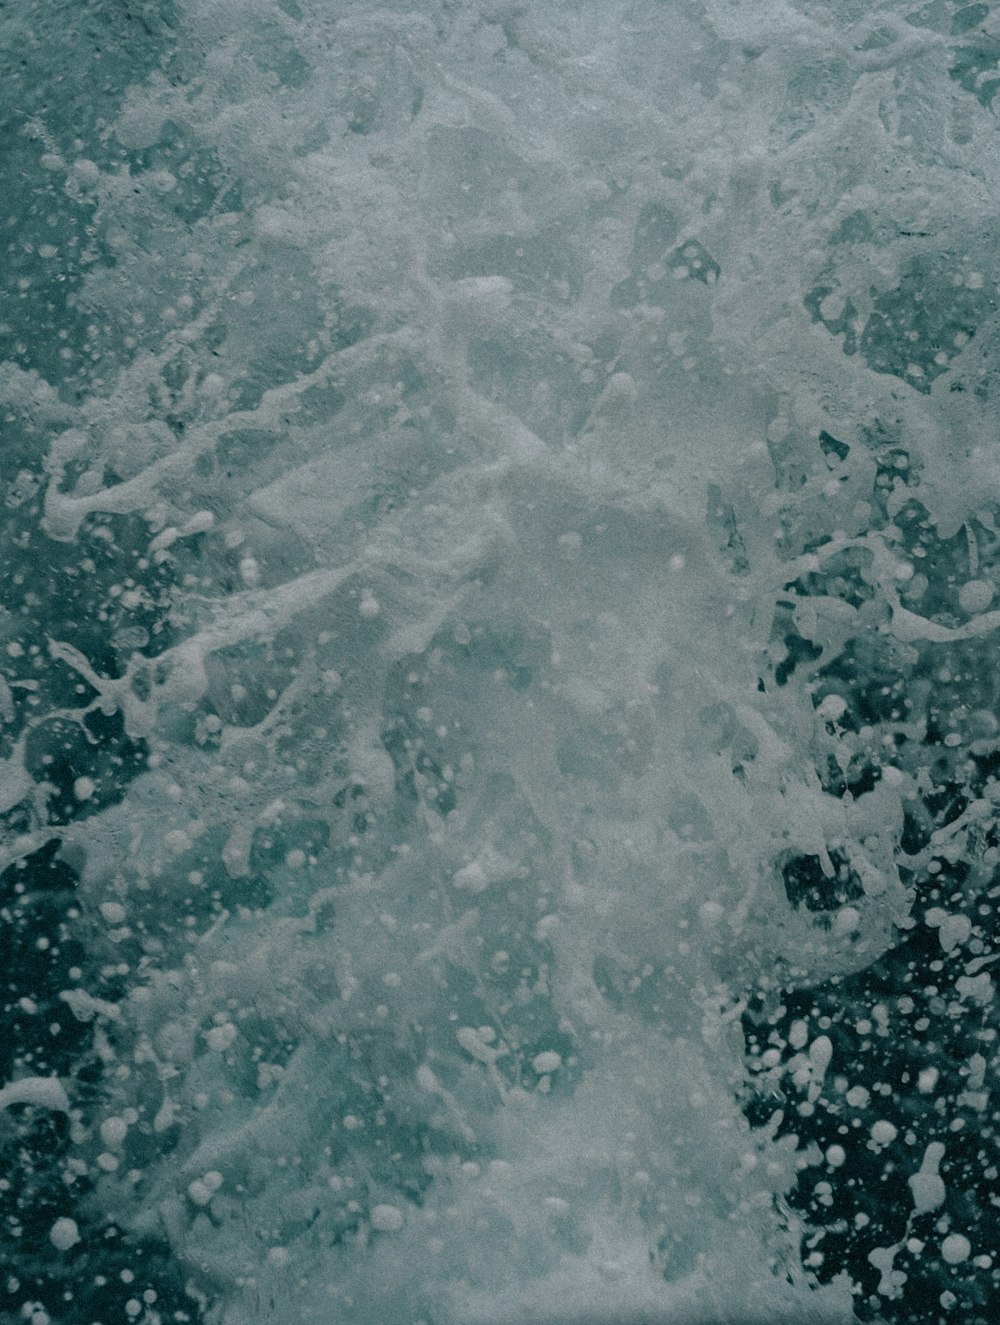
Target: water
499,714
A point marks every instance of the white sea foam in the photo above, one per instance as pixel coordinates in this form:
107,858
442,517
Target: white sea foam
480,526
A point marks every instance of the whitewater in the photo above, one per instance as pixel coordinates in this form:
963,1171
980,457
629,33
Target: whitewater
499,729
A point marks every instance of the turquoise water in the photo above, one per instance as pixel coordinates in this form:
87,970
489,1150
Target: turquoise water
499,736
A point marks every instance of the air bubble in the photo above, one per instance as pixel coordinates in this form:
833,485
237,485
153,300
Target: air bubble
975,596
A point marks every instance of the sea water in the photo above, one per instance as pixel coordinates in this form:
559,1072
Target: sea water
498,701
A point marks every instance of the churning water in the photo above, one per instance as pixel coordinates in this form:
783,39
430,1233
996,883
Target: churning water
498,661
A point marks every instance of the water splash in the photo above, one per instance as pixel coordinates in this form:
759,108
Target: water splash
499,722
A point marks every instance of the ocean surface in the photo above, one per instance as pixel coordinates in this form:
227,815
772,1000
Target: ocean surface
499,677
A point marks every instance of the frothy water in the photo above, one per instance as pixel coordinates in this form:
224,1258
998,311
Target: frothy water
499,713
